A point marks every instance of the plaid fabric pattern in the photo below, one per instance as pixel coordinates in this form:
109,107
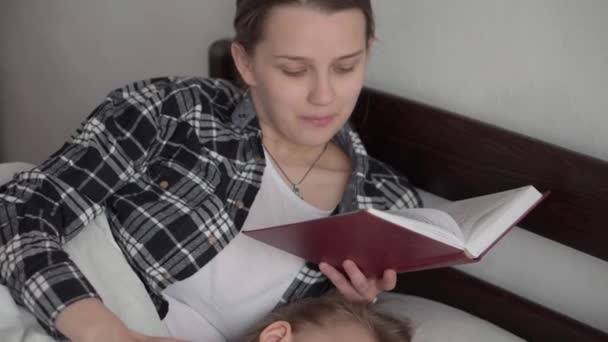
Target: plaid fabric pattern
175,163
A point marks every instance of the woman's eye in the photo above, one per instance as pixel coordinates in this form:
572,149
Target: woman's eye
294,73
344,69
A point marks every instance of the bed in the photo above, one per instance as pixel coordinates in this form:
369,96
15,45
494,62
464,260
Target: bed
455,157
444,154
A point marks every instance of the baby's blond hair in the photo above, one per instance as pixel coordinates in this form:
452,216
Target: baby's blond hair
331,309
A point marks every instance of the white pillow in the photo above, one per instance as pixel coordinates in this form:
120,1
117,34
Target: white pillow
434,322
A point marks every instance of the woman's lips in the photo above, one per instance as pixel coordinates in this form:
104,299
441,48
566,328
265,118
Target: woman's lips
318,121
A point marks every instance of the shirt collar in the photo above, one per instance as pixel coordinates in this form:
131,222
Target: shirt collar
244,114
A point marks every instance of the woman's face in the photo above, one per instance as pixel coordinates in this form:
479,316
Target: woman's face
306,73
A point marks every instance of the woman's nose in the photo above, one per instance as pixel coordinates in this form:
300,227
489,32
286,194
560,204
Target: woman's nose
322,91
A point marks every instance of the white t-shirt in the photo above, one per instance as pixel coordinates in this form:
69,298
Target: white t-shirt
246,280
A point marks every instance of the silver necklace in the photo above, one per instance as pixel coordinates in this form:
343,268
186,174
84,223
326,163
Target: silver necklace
295,186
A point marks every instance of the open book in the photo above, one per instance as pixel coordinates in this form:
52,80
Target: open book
406,240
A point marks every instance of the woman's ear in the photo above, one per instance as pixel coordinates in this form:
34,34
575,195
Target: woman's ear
243,63
370,42
278,331
370,45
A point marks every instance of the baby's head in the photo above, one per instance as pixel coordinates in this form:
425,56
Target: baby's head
329,318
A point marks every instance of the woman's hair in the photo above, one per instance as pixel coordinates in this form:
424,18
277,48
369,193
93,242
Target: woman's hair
329,310
251,15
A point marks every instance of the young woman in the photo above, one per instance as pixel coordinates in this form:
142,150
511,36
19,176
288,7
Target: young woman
182,165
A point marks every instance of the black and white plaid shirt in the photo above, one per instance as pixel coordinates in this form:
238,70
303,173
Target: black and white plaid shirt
175,163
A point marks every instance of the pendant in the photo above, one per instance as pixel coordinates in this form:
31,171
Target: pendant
296,191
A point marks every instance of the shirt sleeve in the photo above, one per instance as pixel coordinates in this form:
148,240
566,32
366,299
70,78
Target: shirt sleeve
42,208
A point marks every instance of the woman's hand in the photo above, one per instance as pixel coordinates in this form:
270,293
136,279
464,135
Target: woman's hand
88,320
357,287
142,338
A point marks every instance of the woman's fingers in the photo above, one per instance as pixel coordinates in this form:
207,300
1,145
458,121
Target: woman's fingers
364,286
355,285
388,281
143,338
341,283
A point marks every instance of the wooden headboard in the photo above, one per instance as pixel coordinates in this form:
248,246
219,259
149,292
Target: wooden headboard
456,157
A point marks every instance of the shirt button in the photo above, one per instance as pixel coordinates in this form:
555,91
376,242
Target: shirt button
163,184
212,240
239,204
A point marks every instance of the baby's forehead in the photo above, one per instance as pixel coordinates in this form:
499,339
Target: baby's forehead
338,329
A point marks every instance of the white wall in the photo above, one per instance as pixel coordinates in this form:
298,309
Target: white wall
539,67
59,58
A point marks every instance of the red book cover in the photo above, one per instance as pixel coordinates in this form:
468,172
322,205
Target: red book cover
373,243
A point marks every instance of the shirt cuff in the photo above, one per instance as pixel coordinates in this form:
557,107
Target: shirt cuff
52,289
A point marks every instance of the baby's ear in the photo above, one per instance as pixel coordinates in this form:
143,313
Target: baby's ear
278,331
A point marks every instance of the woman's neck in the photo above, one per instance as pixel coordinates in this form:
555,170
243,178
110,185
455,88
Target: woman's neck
289,152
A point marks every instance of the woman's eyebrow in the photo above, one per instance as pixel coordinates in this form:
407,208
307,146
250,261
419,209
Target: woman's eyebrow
306,59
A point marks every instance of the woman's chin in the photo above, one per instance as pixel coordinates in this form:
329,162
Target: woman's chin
317,138
318,134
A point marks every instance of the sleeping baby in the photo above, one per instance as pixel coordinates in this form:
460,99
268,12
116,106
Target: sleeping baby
330,318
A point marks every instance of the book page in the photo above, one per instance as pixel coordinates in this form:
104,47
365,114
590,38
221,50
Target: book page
474,212
434,222
491,212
